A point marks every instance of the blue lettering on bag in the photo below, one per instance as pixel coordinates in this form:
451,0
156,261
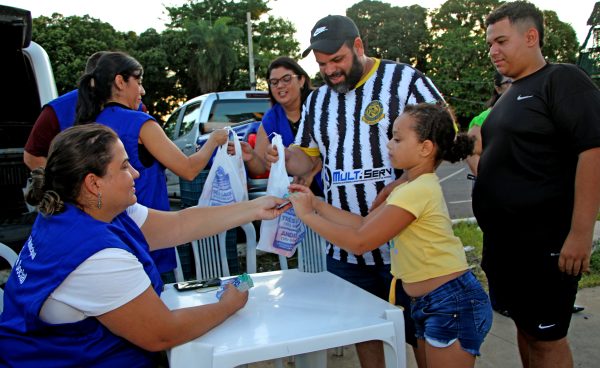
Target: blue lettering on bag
221,192
290,231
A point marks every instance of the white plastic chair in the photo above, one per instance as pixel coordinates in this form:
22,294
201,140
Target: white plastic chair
7,253
210,256
311,253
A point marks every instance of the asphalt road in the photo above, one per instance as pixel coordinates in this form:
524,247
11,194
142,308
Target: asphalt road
457,189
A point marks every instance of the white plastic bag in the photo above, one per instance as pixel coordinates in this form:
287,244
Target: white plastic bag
282,234
226,180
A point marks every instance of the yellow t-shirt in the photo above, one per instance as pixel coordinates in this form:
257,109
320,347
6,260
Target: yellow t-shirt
427,248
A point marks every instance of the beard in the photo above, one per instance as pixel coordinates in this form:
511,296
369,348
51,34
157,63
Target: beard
351,78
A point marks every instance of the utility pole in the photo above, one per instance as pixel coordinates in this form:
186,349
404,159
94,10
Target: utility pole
250,53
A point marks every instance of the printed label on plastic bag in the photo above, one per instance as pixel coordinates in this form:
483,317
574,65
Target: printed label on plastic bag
290,231
221,192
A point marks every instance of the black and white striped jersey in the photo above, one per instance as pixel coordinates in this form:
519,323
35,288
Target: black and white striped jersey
350,131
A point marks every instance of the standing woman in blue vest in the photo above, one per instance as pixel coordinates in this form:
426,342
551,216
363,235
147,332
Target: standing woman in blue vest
84,291
110,95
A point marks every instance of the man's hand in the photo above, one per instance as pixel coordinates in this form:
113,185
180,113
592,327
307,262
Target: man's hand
575,254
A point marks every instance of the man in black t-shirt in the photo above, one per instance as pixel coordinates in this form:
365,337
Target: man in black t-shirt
536,197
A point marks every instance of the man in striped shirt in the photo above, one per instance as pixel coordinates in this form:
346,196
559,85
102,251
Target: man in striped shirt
347,123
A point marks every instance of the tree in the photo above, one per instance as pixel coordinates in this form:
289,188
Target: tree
560,39
391,32
214,51
460,66
160,85
69,41
271,37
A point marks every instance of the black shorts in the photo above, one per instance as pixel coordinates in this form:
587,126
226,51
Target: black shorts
538,297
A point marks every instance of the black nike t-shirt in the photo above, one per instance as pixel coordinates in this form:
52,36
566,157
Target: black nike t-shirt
531,142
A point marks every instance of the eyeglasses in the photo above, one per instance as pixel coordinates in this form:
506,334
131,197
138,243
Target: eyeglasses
285,80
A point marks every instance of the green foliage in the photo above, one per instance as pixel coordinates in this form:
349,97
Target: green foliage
69,41
460,66
392,32
472,238
593,277
161,93
271,38
214,54
205,47
560,40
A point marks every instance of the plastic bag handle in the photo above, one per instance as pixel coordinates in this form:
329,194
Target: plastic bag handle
278,143
236,143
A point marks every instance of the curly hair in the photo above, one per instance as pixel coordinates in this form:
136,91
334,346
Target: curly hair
436,123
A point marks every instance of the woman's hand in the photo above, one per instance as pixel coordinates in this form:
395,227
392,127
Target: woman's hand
271,156
303,199
247,150
269,207
218,137
233,299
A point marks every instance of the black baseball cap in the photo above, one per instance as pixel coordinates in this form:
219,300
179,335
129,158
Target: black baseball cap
330,33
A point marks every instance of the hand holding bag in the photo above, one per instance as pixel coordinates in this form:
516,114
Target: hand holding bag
283,234
226,181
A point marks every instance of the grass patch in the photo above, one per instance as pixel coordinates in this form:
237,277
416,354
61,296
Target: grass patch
593,277
471,236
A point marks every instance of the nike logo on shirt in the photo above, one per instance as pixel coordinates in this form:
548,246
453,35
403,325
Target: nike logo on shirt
543,327
519,97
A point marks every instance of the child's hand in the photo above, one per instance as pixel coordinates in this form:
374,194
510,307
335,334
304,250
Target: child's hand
302,199
219,137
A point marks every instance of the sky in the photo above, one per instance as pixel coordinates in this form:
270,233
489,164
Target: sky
139,15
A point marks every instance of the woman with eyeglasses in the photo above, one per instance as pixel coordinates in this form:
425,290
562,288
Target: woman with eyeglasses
501,84
289,86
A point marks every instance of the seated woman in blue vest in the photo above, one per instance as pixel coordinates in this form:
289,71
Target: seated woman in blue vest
84,291
110,95
289,86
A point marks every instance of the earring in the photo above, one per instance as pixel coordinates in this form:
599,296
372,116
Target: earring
99,205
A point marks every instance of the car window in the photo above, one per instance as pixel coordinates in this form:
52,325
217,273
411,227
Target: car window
171,123
235,111
191,114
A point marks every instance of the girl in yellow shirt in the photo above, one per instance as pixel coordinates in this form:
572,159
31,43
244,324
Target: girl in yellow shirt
452,312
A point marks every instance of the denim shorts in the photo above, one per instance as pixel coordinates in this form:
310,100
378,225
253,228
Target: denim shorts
459,309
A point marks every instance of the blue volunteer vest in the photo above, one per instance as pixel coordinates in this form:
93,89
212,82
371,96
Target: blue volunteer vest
58,245
151,186
64,107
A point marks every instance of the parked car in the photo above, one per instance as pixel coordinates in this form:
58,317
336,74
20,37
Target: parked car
195,119
27,84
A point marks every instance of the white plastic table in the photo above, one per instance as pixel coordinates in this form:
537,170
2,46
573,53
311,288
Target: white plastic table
291,313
